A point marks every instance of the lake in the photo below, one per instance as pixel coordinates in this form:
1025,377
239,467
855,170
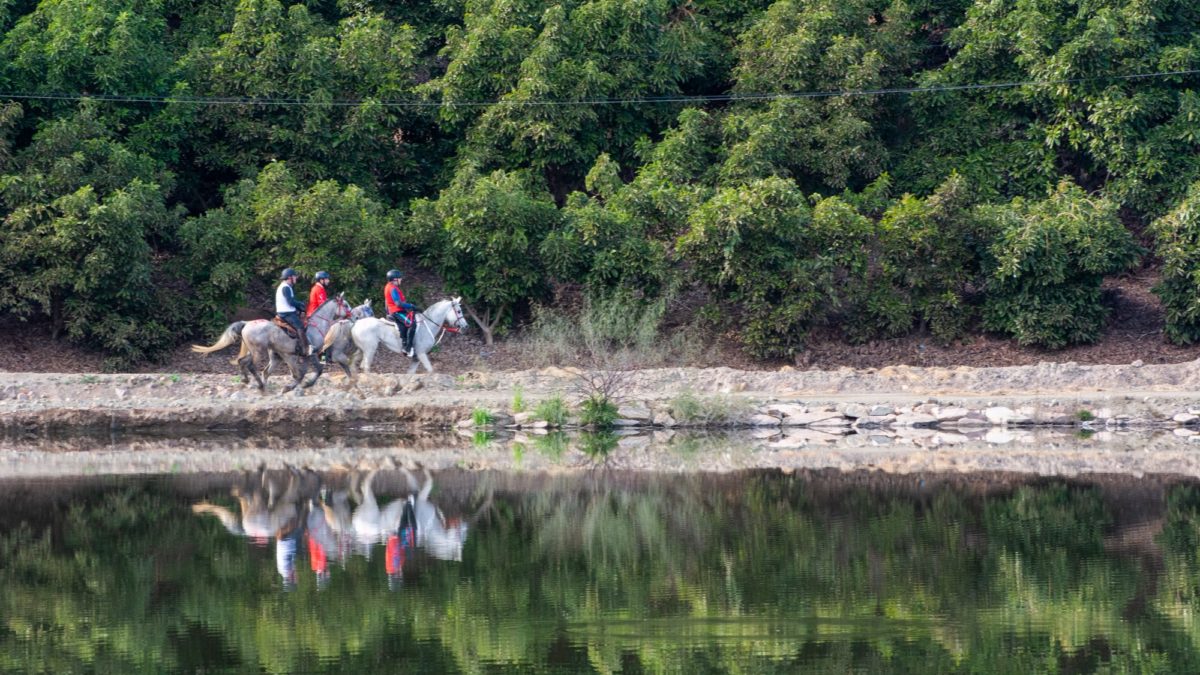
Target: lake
605,571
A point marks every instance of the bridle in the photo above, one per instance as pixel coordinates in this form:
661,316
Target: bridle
458,317
342,308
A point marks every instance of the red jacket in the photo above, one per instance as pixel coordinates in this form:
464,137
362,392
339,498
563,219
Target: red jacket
316,298
394,298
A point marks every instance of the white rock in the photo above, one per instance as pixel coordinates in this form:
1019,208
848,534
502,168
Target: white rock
1184,418
623,422
832,422
855,410
635,412
950,413
760,420
915,420
1184,432
881,410
801,419
785,410
522,417
1001,415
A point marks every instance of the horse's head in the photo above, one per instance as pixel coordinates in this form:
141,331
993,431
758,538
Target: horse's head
362,311
342,310
460,321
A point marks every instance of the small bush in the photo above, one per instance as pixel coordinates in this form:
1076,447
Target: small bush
1085,416
518,399
481,417
688,408
598,412
553,410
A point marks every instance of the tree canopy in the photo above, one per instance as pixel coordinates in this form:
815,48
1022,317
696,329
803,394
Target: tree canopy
518,147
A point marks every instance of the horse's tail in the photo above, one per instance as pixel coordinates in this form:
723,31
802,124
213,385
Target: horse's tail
232,335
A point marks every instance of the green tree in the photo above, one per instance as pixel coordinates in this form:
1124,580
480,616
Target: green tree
1177,243
482,235
1046,263
777,267
80,208
275,221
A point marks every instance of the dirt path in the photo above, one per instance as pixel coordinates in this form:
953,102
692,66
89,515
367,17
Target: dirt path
132,400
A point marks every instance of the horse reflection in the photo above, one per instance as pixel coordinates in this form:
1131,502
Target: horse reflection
331,517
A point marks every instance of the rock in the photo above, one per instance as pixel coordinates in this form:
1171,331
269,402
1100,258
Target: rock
915,420
1181,431
972,419
623,422
832,423
522,417
539,424
855,410
881,410
874,421
465,424
1184,418
880,439
998,414
410,387
949,414
786,369
1137,364
663,419
635,412
760,420
785,409
804,419
120,393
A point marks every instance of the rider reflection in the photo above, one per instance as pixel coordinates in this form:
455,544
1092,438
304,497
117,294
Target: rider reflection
399,543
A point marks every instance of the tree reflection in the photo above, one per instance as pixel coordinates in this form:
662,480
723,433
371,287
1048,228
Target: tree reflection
614,572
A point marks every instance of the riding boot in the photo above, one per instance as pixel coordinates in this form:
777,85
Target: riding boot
410,337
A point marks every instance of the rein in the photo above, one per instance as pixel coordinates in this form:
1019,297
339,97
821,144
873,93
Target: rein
437,340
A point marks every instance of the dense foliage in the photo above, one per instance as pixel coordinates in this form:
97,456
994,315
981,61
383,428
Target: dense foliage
520,147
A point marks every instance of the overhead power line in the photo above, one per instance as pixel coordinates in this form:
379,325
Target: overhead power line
632,100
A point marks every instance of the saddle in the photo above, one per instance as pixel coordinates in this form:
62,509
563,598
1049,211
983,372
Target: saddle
287,327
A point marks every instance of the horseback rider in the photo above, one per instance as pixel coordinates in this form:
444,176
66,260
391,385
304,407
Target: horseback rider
287,309
317,296
400,310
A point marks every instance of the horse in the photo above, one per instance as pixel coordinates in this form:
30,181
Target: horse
328,335
339,345
368,334
261,338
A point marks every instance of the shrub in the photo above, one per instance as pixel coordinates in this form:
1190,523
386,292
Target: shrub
1046,264
518,399
688,408
1177,242
482,417
598,412
553,410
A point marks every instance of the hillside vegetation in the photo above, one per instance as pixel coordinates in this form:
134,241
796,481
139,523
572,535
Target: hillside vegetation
872,167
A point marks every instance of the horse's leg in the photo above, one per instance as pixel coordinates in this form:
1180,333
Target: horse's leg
316,375
249,367
294,368
368,351
412,367
424,358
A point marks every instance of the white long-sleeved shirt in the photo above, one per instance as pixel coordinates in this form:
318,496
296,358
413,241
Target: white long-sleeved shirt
285,299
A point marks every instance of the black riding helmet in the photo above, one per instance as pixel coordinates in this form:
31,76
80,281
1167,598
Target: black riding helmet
394,274
289,272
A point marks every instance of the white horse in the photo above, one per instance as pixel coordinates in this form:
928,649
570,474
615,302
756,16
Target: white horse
369,333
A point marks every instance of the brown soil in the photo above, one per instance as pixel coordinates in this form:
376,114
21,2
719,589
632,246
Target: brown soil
1135,332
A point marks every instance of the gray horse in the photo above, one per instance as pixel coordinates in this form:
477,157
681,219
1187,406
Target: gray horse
262,340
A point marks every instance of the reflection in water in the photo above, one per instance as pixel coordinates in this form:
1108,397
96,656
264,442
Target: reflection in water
620,572
314,510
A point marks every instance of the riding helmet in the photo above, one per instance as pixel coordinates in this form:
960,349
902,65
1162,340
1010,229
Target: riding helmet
394,274
289,272
320,275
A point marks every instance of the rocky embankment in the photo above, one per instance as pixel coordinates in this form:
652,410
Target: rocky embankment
949,400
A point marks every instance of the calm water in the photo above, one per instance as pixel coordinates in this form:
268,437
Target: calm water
612,572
